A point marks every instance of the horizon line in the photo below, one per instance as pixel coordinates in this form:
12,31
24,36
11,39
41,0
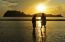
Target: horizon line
31,19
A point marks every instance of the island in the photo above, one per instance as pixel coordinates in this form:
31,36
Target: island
14,13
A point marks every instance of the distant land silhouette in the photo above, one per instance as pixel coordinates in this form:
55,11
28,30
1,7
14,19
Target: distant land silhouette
14,13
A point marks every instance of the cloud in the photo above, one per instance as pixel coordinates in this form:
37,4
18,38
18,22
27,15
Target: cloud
56,2
5,5
11,1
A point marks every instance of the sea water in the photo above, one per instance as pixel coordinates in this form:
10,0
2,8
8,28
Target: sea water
22,31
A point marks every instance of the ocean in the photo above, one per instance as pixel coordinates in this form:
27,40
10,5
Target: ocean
22,31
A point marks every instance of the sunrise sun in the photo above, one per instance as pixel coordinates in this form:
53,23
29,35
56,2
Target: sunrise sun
41,8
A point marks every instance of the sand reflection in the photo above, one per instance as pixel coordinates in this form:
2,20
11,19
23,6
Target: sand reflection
39,34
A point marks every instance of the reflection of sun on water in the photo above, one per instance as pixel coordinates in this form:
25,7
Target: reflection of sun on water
39,26
39,22
39,30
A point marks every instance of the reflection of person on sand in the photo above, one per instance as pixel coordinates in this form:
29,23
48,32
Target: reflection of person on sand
34,35
34,21
43,20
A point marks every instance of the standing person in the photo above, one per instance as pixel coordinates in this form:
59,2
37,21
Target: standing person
34,26
43,23
43,20
34,21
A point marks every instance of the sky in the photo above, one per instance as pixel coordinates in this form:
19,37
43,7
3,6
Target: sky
28,6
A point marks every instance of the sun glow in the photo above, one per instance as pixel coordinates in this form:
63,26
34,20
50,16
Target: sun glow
39,22
41,8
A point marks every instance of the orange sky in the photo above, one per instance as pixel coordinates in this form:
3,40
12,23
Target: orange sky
28,6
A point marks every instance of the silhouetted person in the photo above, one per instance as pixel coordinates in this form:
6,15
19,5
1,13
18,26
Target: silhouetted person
34,26
43,20
34,21
43,23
